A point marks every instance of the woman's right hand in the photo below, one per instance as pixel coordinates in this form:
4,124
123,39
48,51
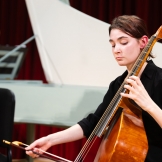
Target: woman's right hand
71,134
38,145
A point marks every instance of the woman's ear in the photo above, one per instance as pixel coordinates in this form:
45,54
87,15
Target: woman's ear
143,41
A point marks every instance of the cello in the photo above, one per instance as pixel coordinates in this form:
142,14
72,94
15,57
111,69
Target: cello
121,124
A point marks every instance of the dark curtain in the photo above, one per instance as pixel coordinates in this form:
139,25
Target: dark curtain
106,10
15,28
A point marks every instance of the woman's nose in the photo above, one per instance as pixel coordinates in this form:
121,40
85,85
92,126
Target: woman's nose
117,49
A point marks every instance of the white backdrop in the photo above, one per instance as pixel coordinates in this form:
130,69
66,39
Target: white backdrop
74,47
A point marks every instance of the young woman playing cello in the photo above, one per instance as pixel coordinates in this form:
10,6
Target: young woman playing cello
128,37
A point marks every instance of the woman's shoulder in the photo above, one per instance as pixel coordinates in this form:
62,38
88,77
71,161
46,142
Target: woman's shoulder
158,70
154,72
152,69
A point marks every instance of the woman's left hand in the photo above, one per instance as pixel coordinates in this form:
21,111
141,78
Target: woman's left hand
137,92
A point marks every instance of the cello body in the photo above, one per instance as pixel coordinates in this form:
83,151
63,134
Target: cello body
125,139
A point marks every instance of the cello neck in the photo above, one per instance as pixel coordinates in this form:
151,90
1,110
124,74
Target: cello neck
145,53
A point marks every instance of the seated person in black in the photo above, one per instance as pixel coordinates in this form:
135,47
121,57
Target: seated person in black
128,37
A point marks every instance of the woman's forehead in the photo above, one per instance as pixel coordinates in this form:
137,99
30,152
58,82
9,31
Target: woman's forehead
118,34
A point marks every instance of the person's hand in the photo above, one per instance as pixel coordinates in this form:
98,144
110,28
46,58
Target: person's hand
38,145
137,92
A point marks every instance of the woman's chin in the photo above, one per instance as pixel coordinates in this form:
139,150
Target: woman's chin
121,64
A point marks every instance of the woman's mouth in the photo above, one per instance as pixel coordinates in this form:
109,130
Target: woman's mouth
119,58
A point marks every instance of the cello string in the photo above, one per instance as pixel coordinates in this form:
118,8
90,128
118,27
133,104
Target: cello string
135,68
82,156
86,146
138,62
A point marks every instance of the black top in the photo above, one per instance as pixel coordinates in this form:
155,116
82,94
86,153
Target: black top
152,81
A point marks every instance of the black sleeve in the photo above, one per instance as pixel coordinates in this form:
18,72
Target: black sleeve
89,123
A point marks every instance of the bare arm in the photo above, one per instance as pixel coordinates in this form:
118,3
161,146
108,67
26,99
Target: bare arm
71,134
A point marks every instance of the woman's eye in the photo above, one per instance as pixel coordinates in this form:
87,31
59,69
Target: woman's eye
124,43
113,45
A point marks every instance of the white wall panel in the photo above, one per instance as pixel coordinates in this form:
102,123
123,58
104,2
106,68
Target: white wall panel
74,47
